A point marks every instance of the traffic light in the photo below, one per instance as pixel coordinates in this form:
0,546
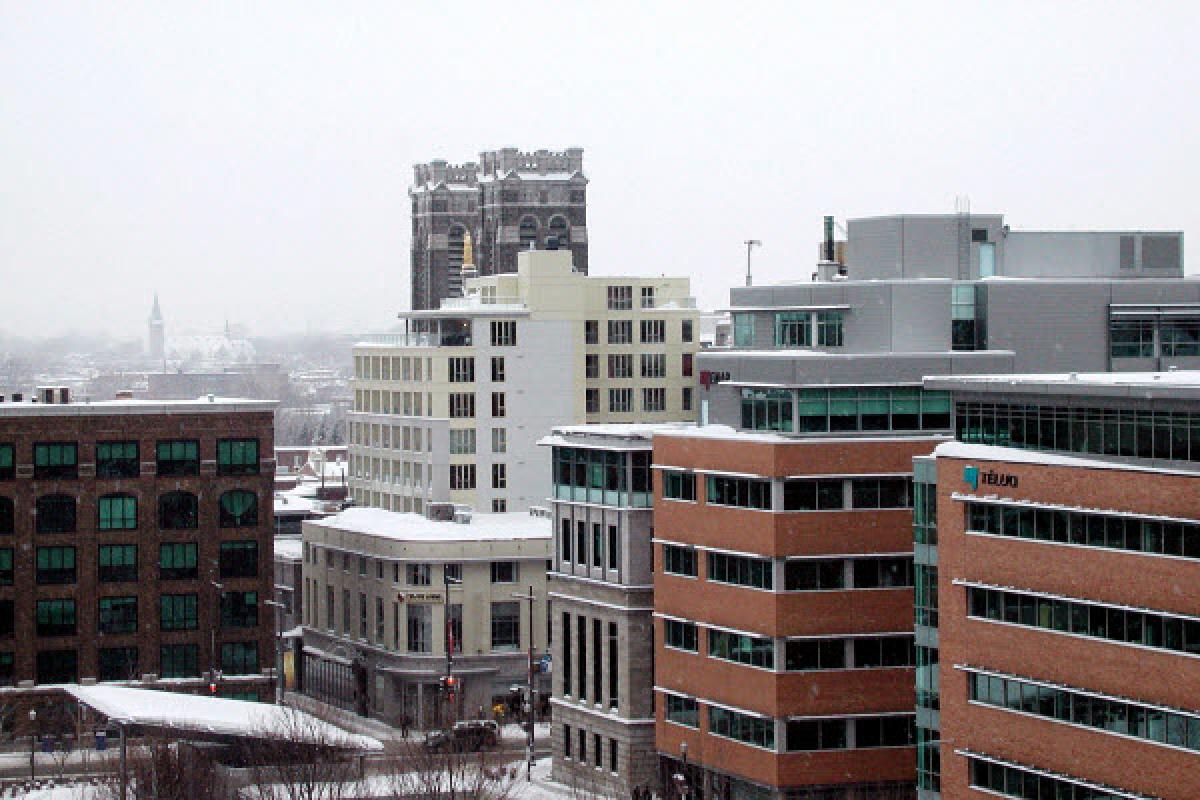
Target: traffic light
212,688
448,685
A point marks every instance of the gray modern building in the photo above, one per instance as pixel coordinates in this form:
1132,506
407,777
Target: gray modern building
602,606
506,202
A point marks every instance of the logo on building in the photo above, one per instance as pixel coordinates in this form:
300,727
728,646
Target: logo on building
971,476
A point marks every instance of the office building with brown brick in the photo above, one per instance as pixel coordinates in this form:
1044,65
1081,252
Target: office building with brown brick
1067,603
135,542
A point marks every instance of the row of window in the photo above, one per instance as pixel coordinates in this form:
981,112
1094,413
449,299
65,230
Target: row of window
620,401
461,369
799,494
1125,717
416,629
1150,629
118,563
581,753
799,575
898,730
1169,338
1173,435
462,441
58,513
415,573
794,329
620,331
122,663
1010,780
851,409
392,368
462,405
799,655
1115,532
610,477
121,459
652,365
605,549
582,652
463,476
177,612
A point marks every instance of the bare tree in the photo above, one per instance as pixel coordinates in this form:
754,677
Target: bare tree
411,770
302,758
166,769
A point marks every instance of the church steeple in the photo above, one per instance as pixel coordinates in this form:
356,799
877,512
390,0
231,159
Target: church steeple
156,341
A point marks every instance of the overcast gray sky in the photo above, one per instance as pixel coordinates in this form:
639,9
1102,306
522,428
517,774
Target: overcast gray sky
251,159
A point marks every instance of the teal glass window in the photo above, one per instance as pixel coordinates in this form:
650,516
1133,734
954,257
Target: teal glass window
743,330
793,329
118,512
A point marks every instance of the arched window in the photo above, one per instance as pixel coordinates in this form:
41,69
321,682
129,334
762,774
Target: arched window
178,511
118,512
55,513
560,230
7,515
454,246
239,509
527,233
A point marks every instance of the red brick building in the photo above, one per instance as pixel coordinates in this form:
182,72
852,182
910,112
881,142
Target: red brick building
784,614
135,543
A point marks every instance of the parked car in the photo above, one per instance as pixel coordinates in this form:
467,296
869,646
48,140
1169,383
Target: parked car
467,736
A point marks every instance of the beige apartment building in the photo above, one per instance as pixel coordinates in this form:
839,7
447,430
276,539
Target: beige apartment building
452,408
386,594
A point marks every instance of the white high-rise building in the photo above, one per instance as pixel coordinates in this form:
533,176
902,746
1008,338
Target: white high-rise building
452,408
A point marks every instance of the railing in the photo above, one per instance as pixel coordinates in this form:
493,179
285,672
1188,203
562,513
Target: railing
476,300
417,339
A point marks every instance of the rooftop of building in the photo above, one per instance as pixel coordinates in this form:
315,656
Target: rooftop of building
1015,455
405,526
288,548
608,434
726,432
28,407
1183,384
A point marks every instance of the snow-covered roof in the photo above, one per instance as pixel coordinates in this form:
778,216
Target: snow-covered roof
1014,455
623,435
213,715
136,406
1172,383
726,432
290,548
415,527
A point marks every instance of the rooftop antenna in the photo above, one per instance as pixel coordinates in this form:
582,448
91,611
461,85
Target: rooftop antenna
750,245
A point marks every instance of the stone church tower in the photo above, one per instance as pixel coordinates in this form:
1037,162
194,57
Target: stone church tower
156,340
507,201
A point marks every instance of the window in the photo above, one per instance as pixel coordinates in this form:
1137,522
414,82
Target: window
591,366
118,512
238,509
962,317
678,485
499,440
8,515
462,441
685,368
881,492
653,331
117,460
679,560
620,298
504,332
884,651
454,615
756,573
979,234
591,331
654,399
498,404
1180,337
8,467
462,476
620,366
614,559
757,731
829,329
6,618
592,401
118,563
647,293
177,612
682,710
462,405
418,574
179,661
754,651
239,658
118,614
793,329
237,457
239,609
743,330
567,740
55,514
178,511
680,635
612,755
654,365
685,399
118,664
767,409
620,331
55,565
506,625
808,494
499,476
461,370
739,492
177,561
871,409
498,369
239,559
6,566
597,545
504,572
57,666
883,573
56,460
685,332
180,457
55,617
620,400
499,505
811,654
1131,339
419,619
814,574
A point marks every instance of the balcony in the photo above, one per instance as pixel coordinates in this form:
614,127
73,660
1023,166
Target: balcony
448,339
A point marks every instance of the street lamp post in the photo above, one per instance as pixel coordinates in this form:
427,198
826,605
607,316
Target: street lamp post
448,640
529,692
681,780
278,649
32,745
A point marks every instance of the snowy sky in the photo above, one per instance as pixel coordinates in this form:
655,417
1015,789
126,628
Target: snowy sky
251,160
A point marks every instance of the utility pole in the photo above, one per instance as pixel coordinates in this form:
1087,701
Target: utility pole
278,649
448,634
750,244
529,690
